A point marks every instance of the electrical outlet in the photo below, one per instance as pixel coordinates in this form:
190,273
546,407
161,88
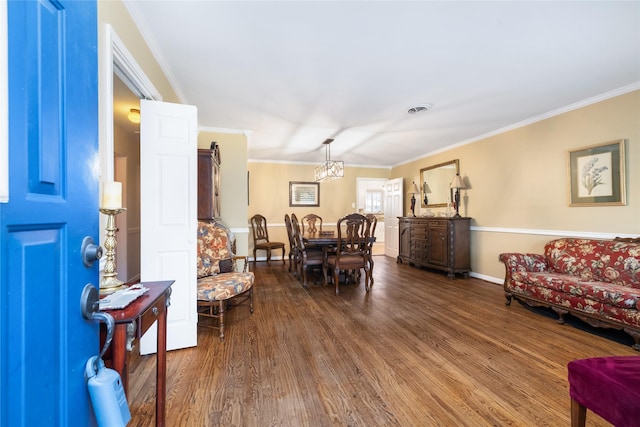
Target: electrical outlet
353,205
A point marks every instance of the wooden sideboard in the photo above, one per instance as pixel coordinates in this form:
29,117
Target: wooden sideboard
436,242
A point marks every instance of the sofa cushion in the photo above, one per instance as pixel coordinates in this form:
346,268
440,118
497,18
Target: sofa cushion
604,292
596,260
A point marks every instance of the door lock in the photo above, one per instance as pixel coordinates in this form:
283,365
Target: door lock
90,252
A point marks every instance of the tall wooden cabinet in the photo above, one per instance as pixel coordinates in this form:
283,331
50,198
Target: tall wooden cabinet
208,184
439,243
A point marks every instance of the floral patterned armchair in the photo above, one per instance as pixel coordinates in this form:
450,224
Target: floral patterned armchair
219,282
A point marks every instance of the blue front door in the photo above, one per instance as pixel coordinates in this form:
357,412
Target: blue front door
53,205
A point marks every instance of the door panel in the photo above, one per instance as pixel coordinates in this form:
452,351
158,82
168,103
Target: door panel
52,206
392,210
168,208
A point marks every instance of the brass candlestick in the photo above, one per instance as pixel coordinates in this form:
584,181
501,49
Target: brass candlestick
110,282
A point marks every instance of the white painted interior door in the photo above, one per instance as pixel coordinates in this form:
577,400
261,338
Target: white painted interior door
393,204
168,209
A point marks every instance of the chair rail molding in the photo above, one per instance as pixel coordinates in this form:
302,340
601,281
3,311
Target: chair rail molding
555,233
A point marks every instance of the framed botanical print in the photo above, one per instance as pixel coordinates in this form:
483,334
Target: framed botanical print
597,175
304,193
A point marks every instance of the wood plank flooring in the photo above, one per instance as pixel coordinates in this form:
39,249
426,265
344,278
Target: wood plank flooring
418,350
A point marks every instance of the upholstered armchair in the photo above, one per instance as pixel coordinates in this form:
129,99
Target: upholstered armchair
220,285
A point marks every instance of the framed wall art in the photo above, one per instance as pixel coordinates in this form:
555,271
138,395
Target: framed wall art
304,193
597,176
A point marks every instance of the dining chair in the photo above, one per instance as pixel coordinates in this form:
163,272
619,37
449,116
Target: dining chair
312,222
373,222
218,281
352,249
261,239
292,243
305,257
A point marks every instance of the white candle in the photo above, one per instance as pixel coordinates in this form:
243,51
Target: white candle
111,195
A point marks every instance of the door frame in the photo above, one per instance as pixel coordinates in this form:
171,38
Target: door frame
116,59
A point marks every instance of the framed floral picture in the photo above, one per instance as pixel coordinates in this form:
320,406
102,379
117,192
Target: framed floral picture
304,193
596,175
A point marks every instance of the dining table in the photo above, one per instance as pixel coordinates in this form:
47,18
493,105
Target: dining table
323,238
326,239
320,238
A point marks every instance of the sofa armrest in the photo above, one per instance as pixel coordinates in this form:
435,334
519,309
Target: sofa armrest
515,262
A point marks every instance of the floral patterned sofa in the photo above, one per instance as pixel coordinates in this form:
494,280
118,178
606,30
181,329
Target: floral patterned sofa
597,281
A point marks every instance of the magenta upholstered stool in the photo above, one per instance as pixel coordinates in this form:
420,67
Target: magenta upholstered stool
608,386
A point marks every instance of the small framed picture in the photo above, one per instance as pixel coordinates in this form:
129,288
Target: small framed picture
304,193
597,176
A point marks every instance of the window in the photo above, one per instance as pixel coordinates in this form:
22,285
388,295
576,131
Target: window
373,201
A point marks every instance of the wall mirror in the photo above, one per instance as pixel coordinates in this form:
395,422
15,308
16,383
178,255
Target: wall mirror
434,183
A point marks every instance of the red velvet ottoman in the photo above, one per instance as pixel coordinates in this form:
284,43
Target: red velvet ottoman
608,386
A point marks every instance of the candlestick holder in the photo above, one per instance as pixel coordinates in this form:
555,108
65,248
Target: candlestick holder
110,282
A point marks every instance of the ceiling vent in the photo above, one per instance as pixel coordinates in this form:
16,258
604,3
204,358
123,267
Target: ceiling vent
421,108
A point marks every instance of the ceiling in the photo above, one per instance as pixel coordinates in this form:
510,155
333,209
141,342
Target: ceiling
294,73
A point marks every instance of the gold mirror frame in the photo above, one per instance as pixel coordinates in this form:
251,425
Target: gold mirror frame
437,179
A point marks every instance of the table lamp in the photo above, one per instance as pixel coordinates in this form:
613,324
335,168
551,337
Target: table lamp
457,184
413,191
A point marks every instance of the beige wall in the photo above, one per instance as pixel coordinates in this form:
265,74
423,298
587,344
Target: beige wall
269,194
518,195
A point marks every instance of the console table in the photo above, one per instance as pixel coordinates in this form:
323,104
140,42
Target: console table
436,242
132,322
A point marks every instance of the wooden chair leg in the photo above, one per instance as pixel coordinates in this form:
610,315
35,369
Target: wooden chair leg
578,414
336,278
221,324
324,273
304,275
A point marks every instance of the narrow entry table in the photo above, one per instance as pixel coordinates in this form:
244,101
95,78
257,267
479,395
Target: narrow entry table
132,322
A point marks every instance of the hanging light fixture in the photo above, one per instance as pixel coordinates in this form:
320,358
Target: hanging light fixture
134,115
330,169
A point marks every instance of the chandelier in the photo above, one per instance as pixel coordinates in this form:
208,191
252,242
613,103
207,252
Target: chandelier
330,169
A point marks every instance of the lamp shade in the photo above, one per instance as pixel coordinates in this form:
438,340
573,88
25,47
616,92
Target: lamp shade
414,189
330,169
457,182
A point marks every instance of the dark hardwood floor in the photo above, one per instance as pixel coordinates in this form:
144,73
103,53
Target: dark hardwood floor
418,350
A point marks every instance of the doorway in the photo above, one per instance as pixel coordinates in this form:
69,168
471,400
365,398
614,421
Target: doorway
371,200
126,161
163,181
